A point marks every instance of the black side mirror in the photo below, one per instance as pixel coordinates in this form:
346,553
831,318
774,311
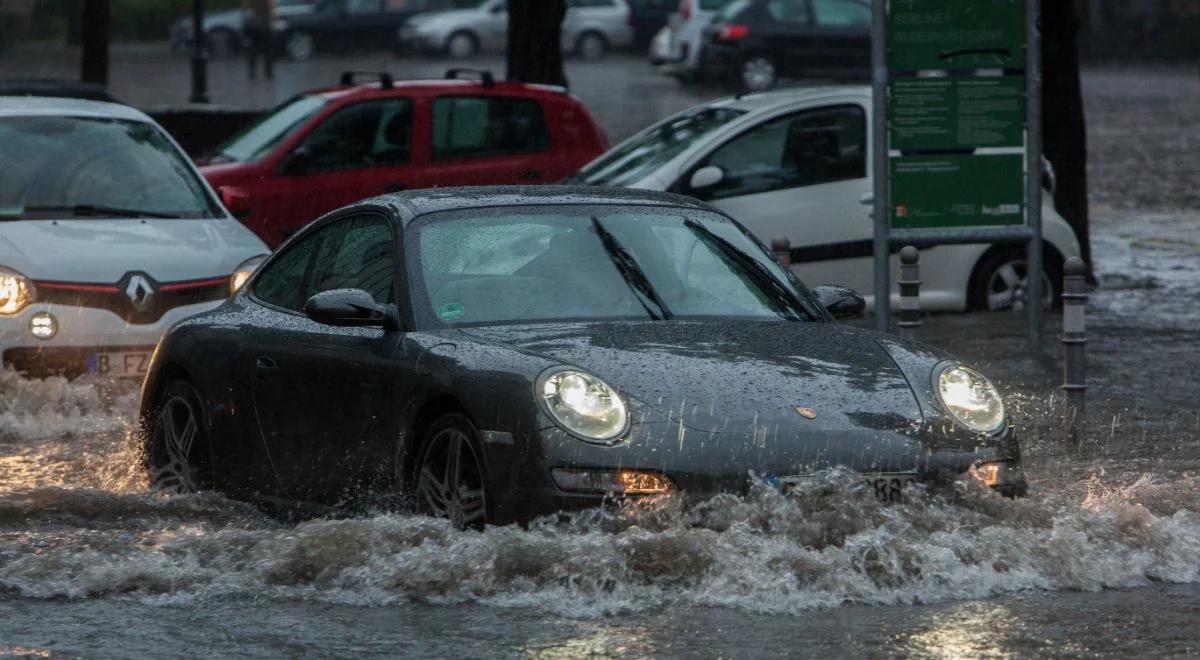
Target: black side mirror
841,302
351,308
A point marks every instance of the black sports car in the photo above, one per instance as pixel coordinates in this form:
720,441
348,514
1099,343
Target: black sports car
494,354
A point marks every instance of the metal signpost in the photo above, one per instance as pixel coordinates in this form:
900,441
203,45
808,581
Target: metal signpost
957,126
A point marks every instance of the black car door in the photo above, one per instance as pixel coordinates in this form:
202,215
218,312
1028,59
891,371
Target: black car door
322,395
790,36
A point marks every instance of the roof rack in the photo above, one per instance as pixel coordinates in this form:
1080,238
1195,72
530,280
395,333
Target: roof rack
485,76
385,79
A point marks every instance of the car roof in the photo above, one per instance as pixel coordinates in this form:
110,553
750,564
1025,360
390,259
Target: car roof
758,101
415,203
21,106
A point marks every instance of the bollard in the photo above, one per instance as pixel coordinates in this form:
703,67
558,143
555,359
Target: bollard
1074,341
910,291
782,248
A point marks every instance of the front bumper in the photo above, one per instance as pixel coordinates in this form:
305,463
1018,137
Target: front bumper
705,464
80,330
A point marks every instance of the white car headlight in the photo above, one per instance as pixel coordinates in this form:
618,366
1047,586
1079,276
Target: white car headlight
971,399
582,404
16,292
243,273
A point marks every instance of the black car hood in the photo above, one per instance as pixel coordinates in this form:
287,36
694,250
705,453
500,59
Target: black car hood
729,376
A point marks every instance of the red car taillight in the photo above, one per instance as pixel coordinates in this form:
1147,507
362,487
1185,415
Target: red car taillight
685,9
732,33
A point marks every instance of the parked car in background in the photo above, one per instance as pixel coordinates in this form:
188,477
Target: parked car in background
330,147
795,164
754,43
491,355
223,29
345,25
590,29
676,48
108,236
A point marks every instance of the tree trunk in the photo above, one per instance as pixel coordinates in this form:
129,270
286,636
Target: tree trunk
1063,127
94,67
534,41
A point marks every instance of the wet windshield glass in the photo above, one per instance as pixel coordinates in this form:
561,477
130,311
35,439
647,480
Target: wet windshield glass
604,263
649,150
55,167
254,142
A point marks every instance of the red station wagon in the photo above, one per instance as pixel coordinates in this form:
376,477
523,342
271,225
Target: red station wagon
330,147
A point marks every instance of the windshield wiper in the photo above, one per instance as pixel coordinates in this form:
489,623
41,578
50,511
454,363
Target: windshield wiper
97,210
632,272
761,274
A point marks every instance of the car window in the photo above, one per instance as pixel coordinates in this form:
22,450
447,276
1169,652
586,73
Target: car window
802,149
789,11
364,6
258,139
512,265
468,126
367,134
586,4
282,281
713,5
646,152
356,253
352,253
62,167
842,13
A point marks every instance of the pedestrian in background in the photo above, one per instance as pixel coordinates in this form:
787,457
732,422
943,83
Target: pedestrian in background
257,24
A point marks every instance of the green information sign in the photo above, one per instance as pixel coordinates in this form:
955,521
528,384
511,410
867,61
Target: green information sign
957,113
958,191
956,34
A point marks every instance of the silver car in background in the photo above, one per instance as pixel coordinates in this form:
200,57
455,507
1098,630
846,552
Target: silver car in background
590,29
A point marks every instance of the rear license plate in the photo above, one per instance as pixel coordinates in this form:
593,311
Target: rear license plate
119,364
888,488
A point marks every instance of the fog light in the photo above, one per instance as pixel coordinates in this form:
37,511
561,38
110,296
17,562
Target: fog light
43,325
627,482
997,474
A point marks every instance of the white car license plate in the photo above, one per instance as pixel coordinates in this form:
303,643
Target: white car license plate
119,364
888,487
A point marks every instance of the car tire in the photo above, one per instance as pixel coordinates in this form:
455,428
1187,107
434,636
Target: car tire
461,45
758,73
176,442
300,45
222,43
591,47
450,487
998,282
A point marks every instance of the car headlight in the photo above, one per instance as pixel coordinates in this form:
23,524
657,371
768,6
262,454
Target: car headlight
243,273
16,292
971,399
582,404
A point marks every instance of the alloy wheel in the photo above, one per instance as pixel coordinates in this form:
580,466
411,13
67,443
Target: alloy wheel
591,47
758,74
461,46
300,46
450,483
175,431
1007,284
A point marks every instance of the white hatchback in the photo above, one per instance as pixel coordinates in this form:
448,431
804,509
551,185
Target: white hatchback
108,236
796,164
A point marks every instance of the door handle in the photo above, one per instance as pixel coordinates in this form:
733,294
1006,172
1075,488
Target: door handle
530,175
265,364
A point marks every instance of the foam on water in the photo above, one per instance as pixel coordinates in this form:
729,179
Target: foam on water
76,522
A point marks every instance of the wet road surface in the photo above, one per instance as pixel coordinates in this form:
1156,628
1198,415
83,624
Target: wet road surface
1102,559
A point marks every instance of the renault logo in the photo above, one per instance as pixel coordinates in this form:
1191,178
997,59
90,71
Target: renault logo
140,290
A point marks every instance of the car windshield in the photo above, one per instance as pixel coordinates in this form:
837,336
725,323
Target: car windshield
490,266
260,137
731,10
77,167
647,151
